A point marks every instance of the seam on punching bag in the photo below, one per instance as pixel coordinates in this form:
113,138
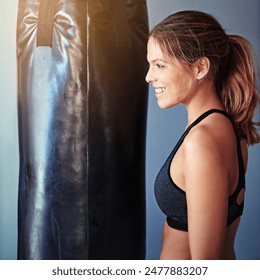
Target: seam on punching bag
45,23
120,21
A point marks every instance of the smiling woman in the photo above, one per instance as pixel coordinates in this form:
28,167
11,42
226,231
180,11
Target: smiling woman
200,188
171,80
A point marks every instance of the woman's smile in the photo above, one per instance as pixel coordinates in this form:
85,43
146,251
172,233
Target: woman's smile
159,91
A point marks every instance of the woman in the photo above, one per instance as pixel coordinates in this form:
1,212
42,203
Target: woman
201,186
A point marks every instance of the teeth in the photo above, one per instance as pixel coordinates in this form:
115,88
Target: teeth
159,90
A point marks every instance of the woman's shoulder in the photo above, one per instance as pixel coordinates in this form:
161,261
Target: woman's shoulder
209,154
215,129
214,137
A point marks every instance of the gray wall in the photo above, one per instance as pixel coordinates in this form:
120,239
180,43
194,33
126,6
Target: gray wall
8,130
164,127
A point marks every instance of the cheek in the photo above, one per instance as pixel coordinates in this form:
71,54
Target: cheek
175,79
184,81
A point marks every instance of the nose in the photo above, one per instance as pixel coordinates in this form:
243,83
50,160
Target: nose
149,77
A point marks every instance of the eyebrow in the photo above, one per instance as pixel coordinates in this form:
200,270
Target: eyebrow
158,59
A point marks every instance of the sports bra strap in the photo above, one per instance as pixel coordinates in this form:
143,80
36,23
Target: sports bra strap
198,120
204,115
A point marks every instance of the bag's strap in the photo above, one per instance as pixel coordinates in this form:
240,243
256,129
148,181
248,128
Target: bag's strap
45,23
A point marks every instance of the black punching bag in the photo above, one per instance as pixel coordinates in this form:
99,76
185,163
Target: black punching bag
82,102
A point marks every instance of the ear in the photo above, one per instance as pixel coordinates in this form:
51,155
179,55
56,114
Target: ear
202,67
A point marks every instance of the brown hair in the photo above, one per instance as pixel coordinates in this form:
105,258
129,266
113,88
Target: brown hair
190,35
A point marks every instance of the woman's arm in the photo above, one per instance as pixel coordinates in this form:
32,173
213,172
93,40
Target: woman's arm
207,189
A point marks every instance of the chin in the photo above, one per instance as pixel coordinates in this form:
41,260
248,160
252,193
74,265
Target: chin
164,105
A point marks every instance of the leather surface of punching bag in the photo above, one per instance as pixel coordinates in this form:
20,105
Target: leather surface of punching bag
82,102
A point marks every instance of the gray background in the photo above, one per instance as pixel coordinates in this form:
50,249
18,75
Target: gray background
163,129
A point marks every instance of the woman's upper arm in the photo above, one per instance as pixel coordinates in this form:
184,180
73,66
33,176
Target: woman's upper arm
207,189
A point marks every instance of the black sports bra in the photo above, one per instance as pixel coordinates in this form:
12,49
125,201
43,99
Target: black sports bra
172,200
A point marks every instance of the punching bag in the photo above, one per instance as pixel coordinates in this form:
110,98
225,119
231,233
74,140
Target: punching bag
82,104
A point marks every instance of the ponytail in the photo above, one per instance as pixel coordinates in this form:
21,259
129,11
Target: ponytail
238,92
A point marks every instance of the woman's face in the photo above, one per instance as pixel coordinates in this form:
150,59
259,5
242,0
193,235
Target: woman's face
171,81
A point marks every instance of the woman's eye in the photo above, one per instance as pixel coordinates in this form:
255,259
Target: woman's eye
157,65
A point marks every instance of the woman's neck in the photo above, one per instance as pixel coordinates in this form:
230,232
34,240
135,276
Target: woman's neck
203,100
